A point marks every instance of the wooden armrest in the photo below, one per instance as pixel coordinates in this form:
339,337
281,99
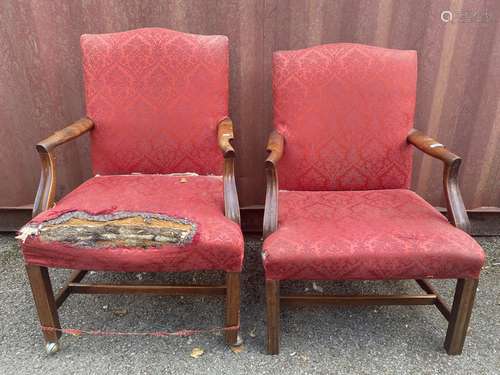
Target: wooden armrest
431,147
67,134
46,192
225,134
275,146
454,202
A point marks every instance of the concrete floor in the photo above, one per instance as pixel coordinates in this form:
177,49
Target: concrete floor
315,340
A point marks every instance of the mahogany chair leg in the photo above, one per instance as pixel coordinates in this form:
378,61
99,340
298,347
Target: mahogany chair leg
232,307
273,316
463,302
45,305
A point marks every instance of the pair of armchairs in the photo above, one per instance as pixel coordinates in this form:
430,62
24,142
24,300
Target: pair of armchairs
164,195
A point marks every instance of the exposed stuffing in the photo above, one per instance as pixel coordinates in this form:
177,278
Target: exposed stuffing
119,229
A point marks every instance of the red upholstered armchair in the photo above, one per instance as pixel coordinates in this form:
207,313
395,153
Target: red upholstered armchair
164,196
343,117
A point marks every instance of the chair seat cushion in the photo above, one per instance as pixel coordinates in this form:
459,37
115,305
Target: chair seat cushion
138,223
366,235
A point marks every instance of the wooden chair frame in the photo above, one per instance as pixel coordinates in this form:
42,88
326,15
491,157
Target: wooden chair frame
47,303
458,316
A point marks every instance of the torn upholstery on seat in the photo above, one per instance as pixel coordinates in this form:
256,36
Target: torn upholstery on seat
138,223
118,229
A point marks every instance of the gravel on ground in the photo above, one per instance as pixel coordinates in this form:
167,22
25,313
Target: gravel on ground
315,340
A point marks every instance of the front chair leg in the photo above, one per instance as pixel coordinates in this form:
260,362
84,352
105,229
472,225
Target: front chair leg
273,316
45,305
232,308
463,302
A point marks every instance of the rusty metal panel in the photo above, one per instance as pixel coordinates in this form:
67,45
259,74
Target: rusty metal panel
41,86
13,218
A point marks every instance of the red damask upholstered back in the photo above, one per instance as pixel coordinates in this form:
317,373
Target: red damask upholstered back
156,97
345,111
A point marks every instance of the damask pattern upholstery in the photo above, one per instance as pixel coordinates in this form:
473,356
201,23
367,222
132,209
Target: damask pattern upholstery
155,96
345,111
217,244
366,235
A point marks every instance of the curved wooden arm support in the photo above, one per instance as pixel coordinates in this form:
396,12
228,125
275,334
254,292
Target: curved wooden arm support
454,202
275,147
225,134
67,134
46,192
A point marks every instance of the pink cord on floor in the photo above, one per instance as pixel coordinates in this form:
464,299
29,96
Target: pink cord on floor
181,333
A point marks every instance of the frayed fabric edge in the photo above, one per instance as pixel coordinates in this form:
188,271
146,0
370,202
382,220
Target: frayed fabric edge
28,230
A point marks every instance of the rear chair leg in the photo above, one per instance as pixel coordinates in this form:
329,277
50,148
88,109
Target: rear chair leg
463,302
233,308
45,305
273,316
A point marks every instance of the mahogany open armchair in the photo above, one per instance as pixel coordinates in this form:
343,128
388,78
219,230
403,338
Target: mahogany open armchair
343,116
164,196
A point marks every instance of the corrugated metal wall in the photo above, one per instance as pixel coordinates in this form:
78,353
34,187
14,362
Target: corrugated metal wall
458,87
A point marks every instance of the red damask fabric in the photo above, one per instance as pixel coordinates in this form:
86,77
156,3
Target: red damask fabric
345,111
366,235
156,97
217,244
